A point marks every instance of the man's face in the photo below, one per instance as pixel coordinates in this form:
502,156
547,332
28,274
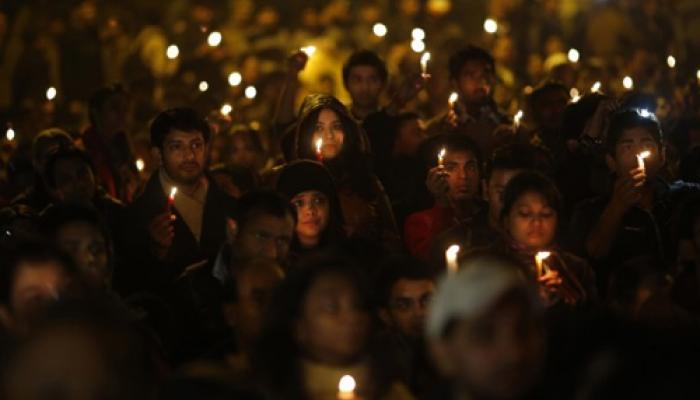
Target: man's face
497,355
74,181
493,190
409,138
364,85
632,142
265,236
408,303
87,246
475,82
184,156
463,174
255,288
550,109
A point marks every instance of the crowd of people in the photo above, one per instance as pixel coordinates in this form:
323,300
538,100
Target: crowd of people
525,237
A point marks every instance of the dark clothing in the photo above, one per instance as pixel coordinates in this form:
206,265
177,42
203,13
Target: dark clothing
147,272
108,159
36,197
469,234
642,233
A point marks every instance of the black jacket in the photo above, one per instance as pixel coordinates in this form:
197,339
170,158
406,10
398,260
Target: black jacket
145,272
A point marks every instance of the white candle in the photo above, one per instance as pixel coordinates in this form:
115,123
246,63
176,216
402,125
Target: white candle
516,119
539,261
424,62
640,159
346,388
451,258
453,99
441,156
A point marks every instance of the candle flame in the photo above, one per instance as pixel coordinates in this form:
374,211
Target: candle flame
441,155
543,255
425,58
173,192
308,50
140,165
452,250
10,134
518,116
596,87
347,384
453,98
644,154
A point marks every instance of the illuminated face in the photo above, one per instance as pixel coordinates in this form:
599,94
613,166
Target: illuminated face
632,142
463,178
532,222
329,129
184,156
87,246
313,214
265,236
364,85
475,82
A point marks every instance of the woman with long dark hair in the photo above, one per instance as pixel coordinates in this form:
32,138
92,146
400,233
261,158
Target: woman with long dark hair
327,133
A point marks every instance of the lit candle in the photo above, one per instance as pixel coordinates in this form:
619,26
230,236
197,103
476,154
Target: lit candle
671,61
140,165
226,109
172,52
452,100
308,50
424,63
379,30
573,55
516,119
451,258
640,159
346,388
490,26
596,87
51,93
235,78
628,83
10,134
171,198
319,152
214,39
539,261
441,157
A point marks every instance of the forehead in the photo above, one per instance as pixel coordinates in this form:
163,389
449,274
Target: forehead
79,229
327,114
308,193
473,66
363,71
177,135
270,223
460,155
635,134
405,287
532,198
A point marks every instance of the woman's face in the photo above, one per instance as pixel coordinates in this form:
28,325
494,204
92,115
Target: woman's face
329,129
334,324
531,222
313,213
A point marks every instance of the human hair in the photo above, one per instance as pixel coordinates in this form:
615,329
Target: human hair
100,97
527,182
248,133
577,115
626,119
182,119
468,54
50,135
71,153
29,252
517,156
368,58
458,142
257,202
395,268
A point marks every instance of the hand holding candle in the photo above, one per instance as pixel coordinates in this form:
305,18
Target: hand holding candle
452,100
424,63
346,388
451,258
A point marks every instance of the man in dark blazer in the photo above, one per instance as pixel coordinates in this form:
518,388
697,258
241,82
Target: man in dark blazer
166,235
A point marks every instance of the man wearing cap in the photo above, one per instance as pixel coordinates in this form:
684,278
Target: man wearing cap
485,333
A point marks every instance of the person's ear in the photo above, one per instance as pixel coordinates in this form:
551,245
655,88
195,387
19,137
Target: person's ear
440,351
610,162
231,231
157,156
6,319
